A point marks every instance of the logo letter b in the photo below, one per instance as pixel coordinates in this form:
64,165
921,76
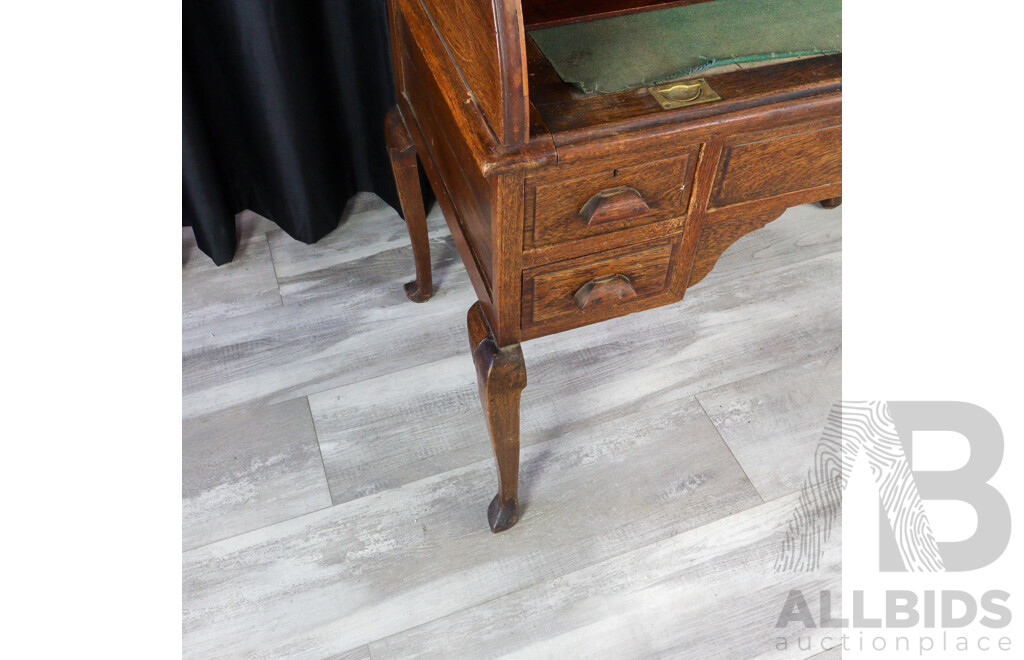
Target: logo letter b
969,483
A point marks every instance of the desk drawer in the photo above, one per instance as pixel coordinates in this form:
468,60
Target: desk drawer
612,199
579,291
756,166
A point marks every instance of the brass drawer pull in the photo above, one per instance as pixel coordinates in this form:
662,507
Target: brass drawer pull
613,204
681,94
607,287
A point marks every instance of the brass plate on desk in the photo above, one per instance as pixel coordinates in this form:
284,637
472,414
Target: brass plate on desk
683,93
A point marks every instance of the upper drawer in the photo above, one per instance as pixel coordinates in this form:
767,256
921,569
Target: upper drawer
611,199
758,166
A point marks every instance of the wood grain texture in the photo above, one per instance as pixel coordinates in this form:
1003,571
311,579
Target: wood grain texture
613,204
501,232
211,293
604,289
476,48
546,13
549,292
484,209
469,31
774,421
361,653
717,237
691,596
402,154
348,319
248,469
764,165
799,171
355,573
447,156
574,117
385,432
558,211
504,309
501,377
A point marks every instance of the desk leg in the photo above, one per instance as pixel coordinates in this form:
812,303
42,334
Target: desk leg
501,377
831,203
402,152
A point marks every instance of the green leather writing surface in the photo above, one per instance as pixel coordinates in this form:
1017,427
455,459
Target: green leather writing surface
613,54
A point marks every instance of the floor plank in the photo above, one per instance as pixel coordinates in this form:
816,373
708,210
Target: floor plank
620,461
833,653
310,272
248,224
248,469
707,593
212,293
774,420
361,653
369,329
370,568
404,426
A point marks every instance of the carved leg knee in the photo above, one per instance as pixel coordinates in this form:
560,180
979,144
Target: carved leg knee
501,377
402,152
831,203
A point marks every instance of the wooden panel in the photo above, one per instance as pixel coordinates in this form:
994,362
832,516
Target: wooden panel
468,191
756,167
482,42
546,13
716,237
549,292
663,186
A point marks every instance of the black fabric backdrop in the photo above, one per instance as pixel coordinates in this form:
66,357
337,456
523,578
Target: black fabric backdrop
283,113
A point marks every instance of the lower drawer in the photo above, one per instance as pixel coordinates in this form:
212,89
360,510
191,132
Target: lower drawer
569,294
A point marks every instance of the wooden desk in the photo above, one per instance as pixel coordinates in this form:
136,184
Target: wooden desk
569,209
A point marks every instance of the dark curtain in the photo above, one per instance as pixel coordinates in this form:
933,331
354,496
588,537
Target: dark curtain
283,113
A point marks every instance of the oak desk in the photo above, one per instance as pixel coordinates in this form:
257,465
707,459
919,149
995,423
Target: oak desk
569,208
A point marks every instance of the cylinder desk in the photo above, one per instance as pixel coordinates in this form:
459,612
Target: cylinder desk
570,206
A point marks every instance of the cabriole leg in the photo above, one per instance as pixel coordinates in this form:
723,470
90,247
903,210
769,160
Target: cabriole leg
501,377
402,153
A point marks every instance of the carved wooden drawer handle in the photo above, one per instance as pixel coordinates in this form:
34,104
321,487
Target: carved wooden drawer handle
613,204
607,287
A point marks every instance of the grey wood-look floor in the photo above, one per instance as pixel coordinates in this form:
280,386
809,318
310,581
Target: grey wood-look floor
337,466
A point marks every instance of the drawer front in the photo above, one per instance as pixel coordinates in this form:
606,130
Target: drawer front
573,293
757,168
615,198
